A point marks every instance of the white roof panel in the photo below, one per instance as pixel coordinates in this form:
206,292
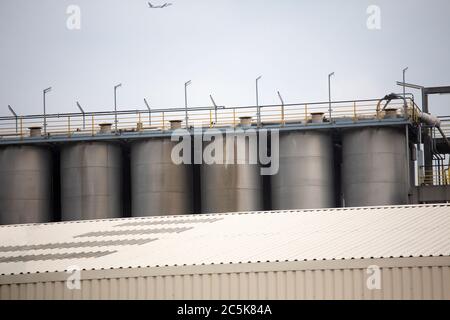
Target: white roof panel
375,232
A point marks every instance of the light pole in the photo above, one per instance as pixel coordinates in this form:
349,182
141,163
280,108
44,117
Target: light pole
329,94
404,80
215,108
149,112
258,112
115,105
82,111
15,116
186,102
45,114
282,107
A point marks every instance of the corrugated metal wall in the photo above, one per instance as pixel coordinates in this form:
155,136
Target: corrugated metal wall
423,282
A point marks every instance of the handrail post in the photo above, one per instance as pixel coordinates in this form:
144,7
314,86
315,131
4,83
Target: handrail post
210,119
234,117
306,114
163,125
68,126
354,111
92,119
21,128
139,120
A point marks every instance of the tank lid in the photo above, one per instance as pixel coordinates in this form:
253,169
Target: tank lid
317,117
105,127
35,131
390,113
245,121
175,124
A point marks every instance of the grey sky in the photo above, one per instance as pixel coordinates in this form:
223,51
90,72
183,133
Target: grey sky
222,46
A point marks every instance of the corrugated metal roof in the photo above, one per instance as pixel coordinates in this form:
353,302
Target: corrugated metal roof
349,233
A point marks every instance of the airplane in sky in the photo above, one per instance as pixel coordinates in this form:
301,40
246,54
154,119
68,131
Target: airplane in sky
159,7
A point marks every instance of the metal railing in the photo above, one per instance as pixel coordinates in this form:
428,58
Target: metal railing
72,124
434,176
445,126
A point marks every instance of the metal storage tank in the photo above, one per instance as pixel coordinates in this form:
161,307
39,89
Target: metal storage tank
305,179
158,186
91,181
375,167
231,187
25,185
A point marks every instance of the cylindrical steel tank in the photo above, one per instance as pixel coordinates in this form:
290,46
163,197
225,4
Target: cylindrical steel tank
158,185
232,187
25,185
91,181
374,167
305,179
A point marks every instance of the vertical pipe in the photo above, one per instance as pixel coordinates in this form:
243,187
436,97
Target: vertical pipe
21,128
354,111
92,119
163,126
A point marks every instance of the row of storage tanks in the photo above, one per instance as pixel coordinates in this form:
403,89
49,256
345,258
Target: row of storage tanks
372,169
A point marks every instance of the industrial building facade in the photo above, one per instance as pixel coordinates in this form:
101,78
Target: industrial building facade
398,252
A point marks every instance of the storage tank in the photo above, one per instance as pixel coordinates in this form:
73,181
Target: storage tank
91,181
25,185
305,179
159,186
231,187
374,168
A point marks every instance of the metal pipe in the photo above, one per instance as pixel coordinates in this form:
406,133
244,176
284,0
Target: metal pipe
154,110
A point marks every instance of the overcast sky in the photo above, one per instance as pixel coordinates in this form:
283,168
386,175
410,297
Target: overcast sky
222,46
